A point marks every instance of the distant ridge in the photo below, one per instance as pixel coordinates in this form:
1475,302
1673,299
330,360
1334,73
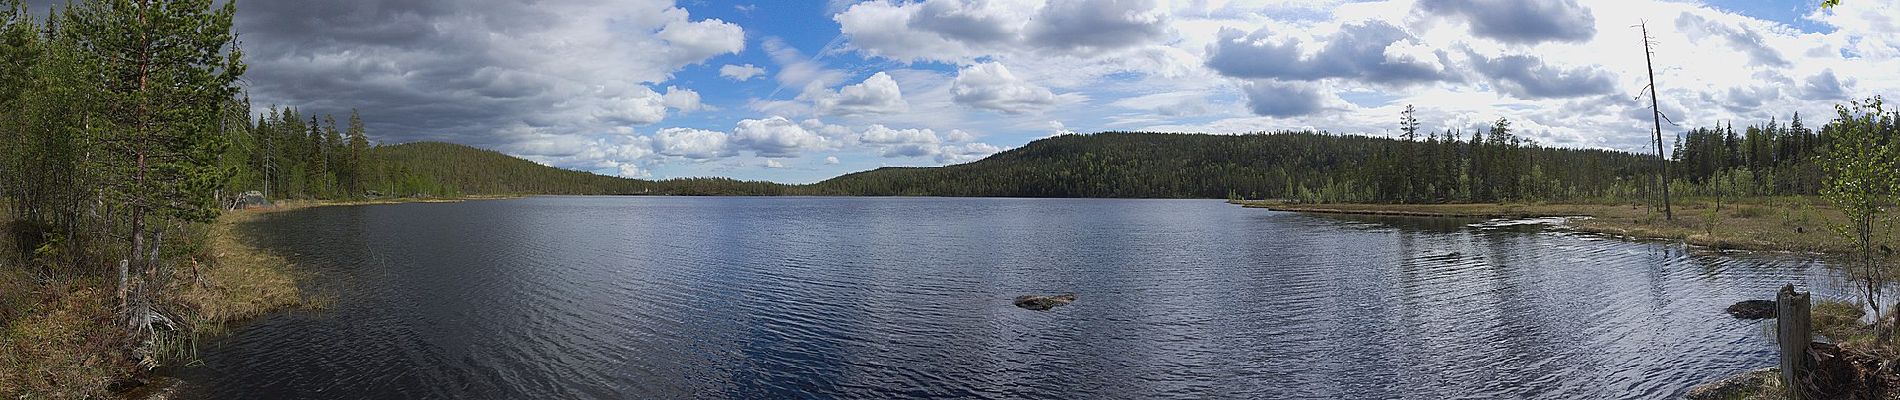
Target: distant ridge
1111,164
437,168
1184,165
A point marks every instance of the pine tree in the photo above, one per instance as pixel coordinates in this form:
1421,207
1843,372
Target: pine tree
166,70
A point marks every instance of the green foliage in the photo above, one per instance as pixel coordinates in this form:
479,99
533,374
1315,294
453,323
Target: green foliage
1306,166
434,169
1861,180
1860,164
1778,159
442,169
165,70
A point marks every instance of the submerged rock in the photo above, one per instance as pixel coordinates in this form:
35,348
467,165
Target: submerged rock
1738,386
1044,303
1753,309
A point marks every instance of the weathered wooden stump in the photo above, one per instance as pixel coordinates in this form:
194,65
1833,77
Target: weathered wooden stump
1791,332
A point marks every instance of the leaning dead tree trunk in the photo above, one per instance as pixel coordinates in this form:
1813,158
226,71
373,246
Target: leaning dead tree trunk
1662,165
1791,332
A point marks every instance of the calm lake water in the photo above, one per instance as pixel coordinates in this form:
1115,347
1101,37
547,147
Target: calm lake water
664,297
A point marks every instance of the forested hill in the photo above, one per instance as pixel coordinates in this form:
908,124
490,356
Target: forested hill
1297,165
447,169
1302,165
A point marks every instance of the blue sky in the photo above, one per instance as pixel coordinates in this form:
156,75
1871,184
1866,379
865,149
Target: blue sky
802,91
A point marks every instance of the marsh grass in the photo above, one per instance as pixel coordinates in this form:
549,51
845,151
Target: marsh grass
1840,321
62,339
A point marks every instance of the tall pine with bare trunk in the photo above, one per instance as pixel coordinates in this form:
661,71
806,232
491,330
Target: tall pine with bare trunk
164,70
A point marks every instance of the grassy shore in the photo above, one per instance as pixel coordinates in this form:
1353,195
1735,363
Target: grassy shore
1753,223
61,339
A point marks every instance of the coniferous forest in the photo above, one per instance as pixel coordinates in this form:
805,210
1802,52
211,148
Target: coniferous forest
123,117
126,135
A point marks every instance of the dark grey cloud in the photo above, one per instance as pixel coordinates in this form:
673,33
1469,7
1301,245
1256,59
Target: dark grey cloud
1747,99
1282,99
1097,24
1825,86
1520,21
1531,78
1357,51
492,73
961,31
1743,38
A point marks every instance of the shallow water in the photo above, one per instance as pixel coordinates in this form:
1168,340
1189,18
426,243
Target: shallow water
665,297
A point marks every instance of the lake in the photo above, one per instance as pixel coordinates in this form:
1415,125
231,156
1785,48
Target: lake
788,297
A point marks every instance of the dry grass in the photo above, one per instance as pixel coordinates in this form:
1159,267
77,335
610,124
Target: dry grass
66,346
1756,223
234,281
60,340
1840,320
1770,387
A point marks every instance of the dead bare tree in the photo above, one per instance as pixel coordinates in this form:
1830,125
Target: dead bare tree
1662,165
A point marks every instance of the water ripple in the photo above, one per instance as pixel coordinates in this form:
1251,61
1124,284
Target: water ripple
592,297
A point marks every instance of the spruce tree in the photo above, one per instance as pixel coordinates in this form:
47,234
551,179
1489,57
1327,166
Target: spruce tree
358,160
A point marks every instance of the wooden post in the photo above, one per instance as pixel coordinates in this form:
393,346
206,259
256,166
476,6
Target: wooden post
1791,323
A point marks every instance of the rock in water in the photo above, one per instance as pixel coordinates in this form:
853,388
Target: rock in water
1733,387
1044,303
1753,309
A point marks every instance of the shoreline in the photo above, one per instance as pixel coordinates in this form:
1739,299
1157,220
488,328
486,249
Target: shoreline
250,282
1790,224
63,344
1739,225
290,205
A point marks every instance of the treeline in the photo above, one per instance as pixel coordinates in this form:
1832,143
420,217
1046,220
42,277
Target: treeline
285,154
1760,159
445,169
1492,165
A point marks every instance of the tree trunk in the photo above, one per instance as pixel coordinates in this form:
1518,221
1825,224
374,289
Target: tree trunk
1791,323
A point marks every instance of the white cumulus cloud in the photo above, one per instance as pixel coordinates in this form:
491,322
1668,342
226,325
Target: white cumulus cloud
878,94
691,143
741,72
991,86
776,137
